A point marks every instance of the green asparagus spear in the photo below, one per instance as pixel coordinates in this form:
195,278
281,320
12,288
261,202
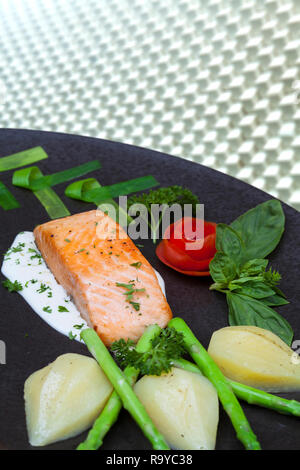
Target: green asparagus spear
225,393
129,399
258,397
114,405
251,395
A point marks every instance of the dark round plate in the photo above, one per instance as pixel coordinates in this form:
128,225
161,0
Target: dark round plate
32,344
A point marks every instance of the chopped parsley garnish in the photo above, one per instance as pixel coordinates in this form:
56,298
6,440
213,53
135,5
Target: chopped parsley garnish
78,327
47,309
67,240
137,265
33,281
130,291
127,286
35,255
42,288
49,294
14,249
61,308
135,305
18,248
12,286
80,251
71,336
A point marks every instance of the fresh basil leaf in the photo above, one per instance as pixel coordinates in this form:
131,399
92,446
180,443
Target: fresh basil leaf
244,280
279,292
260,228
222,269
233,287
229,242
244,310
274,300
220,286
254,267
272,277
252,287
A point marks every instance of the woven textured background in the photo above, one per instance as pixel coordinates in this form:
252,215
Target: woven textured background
215,81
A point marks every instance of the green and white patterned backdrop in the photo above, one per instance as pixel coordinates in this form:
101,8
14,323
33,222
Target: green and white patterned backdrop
214,81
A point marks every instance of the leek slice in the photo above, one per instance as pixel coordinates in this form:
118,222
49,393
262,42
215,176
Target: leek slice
16,160
65,175
24,178
7,199
90,191
48,198
79,189
33,179
52,203
83,190
26,157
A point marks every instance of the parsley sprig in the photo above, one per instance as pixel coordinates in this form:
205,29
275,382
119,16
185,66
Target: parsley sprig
164,197
12,286
166,347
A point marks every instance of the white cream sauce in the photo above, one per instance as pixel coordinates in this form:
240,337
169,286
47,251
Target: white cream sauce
24,263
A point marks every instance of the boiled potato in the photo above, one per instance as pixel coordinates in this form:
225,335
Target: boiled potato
255,357
64,398
183,406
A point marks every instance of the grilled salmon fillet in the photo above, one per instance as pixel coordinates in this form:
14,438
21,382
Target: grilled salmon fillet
113,286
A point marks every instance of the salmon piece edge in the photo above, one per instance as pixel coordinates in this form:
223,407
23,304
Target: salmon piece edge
88,254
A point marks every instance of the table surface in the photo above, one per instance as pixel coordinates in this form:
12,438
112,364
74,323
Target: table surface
217,82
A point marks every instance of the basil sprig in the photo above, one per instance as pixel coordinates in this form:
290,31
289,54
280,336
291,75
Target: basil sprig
239,269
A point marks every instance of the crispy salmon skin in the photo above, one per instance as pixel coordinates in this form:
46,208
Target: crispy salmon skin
91,256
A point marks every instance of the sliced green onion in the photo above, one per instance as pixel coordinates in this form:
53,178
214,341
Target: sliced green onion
7,200
92,191
66,175
48,198
81,190
26,157
121,189
32,178
24,178
78,189
52,203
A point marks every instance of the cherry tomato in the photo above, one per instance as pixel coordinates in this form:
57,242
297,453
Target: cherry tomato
188,248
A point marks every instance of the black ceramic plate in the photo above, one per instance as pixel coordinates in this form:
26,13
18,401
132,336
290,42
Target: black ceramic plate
32,344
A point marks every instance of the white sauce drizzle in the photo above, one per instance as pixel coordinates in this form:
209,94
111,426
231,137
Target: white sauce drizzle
23,263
